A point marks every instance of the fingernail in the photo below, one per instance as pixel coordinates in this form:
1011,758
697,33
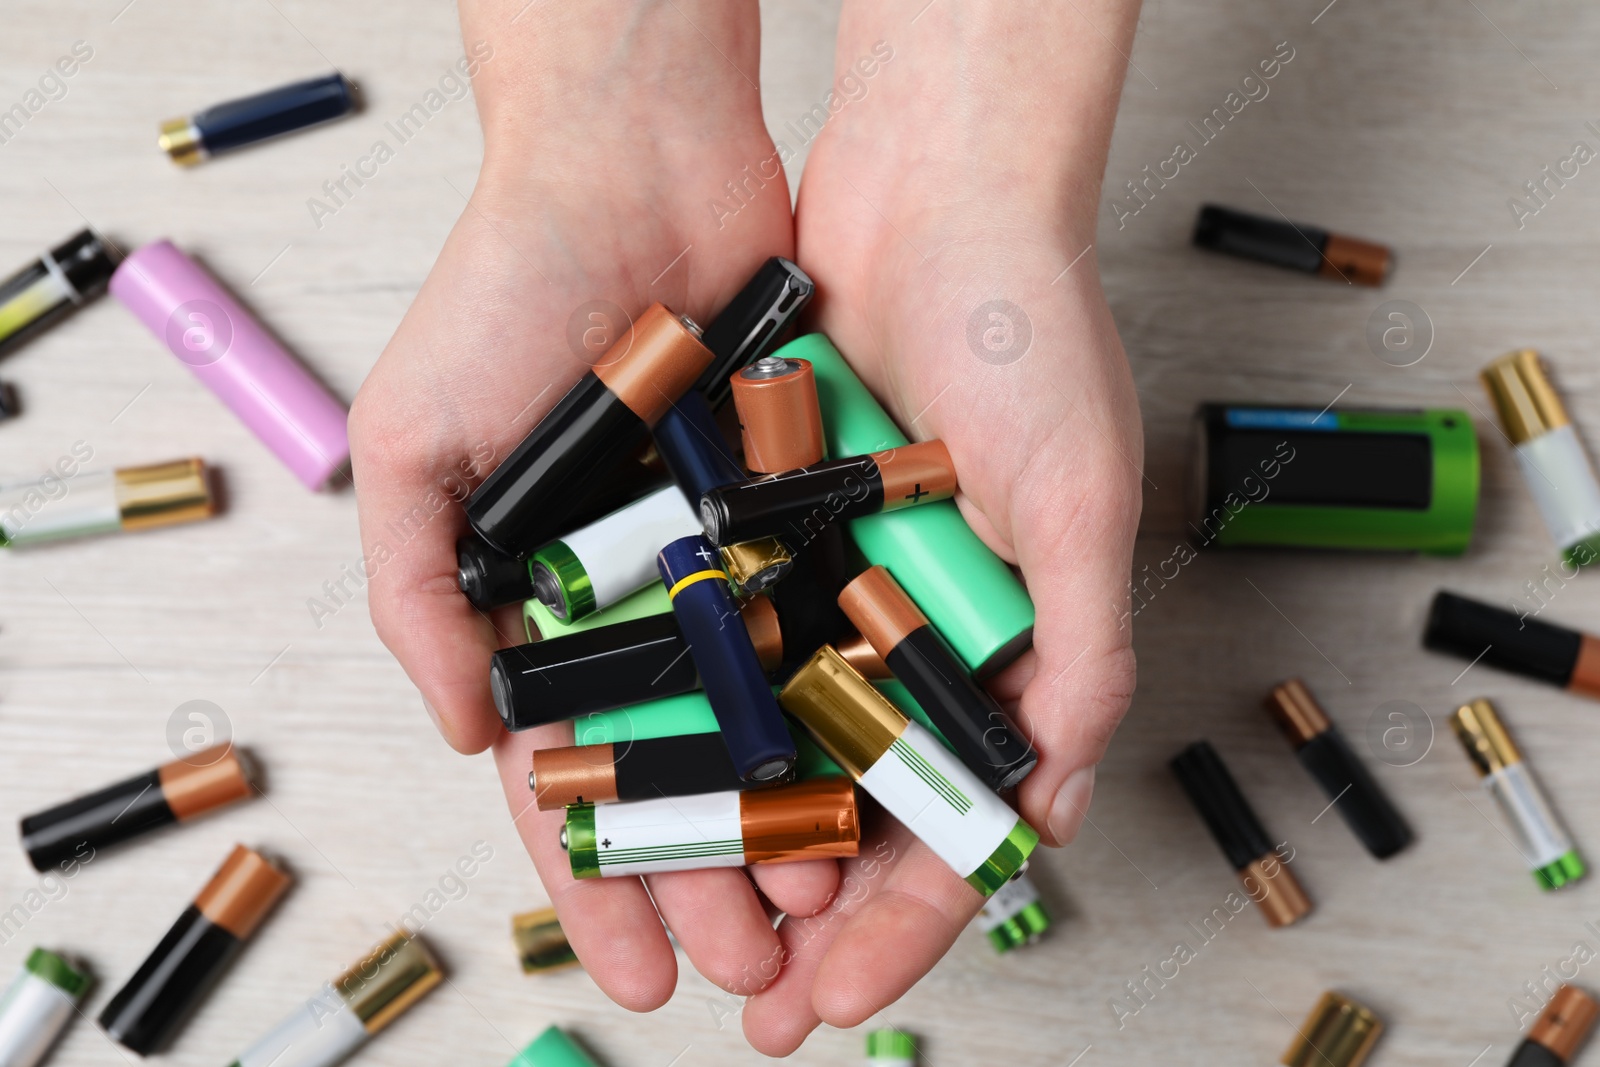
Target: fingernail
1072,801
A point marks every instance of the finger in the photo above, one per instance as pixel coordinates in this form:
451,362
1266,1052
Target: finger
610,923
718,919
801,889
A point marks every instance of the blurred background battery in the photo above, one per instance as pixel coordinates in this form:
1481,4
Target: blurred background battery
891,1048
52,508
729,666
552,1049
1014,916
236,123
65,277
1292,245
1338,1033
1513,641
38,1005
540,942
1560,1030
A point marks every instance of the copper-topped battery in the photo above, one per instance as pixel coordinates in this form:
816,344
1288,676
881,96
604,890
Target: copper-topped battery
1297,712
1563,1025
760,618
1352,259
859,653
916,474
242,891
815,819
780,422
881,610
678,765
654,362
1282,900
193,788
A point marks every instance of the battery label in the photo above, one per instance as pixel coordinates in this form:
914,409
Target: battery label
1281,419
669,834
1007,902
1543,839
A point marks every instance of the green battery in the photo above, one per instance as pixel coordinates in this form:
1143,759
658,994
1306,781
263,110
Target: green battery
891,1048
1014,916
553,1049
1401,480
969,593
541,623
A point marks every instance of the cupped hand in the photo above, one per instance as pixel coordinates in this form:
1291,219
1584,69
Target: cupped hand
947,221
609,133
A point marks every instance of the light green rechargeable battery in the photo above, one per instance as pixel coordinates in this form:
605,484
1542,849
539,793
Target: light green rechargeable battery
1309,478
541,622
553,1049
968,593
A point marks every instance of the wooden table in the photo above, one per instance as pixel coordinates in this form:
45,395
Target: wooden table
1413,126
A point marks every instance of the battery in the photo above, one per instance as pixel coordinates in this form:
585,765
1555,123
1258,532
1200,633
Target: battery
1324,478
237,358
1338,1033
651,600
798,505
891,1048
1014,916
1325,754
173,792
753,322
1553,461
148,1011
194,138
614,666
1560,1030
1542,840
552,1049
970,594
809,820
780,423
909,772
1293,245
638,769
46,290
757,566
53,508
726,659
1238,832
859,653
37,1007
983,735
597,565
525,502
1512,641
540,942
344,1014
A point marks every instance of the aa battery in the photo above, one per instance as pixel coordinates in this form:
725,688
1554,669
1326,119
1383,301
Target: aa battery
727,661
1295,246
552,1049
983,735
909,772
53,508
1553,461
540,942
597,565
1014,916
891,1048
1327,756
525,502
236,123
972,597
798,505
1560,1030
41,293
147,1012
235,356
638,769
173,792
779,420
1315,477
37,1006
651,600
344,1014
1513,641
1543,841
753,322
1240,835
1338,1033
614,666
815,819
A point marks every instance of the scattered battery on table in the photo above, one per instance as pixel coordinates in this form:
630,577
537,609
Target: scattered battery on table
540,942
1560,1030
195,138
1292,245
56,508
552,1049
1014,916
37,1007
1338,1033
66,277
1514,641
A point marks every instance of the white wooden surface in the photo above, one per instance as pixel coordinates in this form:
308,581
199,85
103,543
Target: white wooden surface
1412,124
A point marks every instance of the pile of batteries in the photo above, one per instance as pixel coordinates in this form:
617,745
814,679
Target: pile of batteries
680,627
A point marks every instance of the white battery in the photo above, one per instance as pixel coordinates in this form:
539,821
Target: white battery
37,1007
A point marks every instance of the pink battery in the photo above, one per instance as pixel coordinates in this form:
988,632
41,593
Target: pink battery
236,358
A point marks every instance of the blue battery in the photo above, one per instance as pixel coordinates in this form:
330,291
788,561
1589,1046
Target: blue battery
740,694
236,123
694,449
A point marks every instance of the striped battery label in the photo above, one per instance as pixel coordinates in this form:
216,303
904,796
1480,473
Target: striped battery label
939,800
1543,841
669,834
1007,902
320,1033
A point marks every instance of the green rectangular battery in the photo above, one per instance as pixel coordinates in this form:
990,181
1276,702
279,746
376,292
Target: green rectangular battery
969,594
651,600
553,1049
1398,480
